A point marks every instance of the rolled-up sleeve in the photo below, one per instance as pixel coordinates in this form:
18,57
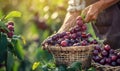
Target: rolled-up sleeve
75,5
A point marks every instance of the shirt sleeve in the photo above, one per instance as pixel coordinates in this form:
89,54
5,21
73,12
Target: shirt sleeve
75,5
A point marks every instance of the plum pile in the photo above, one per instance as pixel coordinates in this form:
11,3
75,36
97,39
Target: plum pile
9,29
77,36
106,56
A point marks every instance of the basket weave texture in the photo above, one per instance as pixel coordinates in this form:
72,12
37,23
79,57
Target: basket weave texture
68,55
100,67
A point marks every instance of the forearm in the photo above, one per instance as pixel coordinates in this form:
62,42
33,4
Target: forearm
69,21
73,10
107,3
71,14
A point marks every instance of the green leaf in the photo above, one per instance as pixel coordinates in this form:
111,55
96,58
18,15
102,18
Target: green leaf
83,16
44,68
11,47
35,65
51,65
76,66
18,48
3,47
10,61
62,68
91,31
90,39
91,69
13,14
1,24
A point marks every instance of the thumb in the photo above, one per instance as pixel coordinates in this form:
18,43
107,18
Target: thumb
84,12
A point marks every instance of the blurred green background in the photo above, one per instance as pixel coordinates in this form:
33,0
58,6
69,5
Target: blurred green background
40,19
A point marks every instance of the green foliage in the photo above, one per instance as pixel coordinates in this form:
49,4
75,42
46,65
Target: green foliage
62,68
10,61
50,66
91,31
9,47
91,69
76,66
3,47
35,65
13,14
17,48
2,25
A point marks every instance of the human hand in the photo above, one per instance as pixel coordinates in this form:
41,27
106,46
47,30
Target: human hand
91,12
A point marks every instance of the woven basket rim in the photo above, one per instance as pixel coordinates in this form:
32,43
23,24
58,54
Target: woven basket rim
104,66
69,48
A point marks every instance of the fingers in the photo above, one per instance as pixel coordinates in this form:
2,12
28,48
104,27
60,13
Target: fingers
87,13
95,17
90,16
84,12
90,13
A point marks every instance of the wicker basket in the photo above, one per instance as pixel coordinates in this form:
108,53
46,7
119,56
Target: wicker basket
100,67
68,55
